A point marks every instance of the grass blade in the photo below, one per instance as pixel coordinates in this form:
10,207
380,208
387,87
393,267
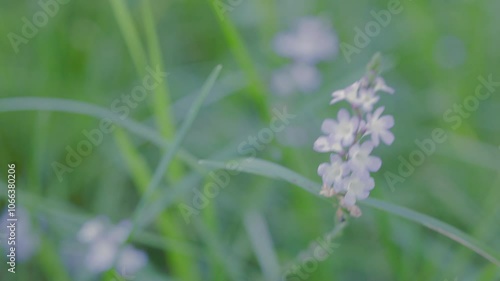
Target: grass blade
169,155
161,97
237,46
78,107
268,169
130,33
136,163
434,224
262,244
181,265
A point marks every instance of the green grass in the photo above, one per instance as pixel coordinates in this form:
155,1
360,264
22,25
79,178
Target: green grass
440,224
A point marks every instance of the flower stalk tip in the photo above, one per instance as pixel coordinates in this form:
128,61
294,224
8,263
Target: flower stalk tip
351,138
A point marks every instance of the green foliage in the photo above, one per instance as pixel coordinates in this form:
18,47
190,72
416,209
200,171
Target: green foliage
65,78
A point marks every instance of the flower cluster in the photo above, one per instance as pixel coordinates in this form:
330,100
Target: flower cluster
106,247
351,138
310,42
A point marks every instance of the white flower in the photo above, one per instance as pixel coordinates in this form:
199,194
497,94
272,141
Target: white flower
344,129
130,261
333,172
357,95
120,232
92,229
282,83
327,191
347,176
311,41
365,100
357,187
27,238
349,93
379,127
379,85
101,255
104,242
298,77
306,77
360,94
360,159
327,144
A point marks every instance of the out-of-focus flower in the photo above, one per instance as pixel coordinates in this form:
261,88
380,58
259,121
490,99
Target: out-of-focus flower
27,241
307,78
312,40
106,247
92,229
101,254
282,83
131,260
297,77
347,176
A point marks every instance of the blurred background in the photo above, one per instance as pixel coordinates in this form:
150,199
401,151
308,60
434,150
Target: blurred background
78,182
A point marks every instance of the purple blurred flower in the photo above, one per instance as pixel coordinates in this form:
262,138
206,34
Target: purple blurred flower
297,77
105,243
311,41
131,260
27,241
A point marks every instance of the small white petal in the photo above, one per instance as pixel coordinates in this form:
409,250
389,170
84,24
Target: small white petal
328,126
349,199
381,86
327,144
